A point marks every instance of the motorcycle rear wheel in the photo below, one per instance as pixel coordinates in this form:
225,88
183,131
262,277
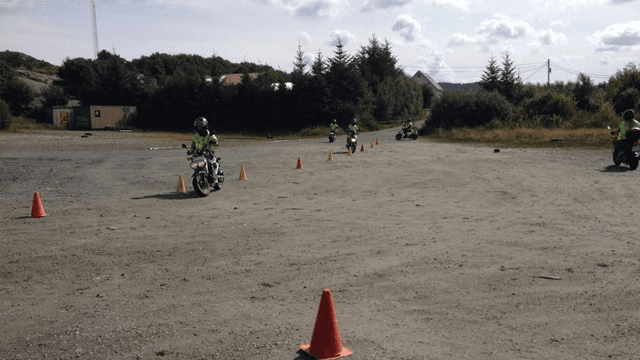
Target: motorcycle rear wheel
201,185
616,159
414,136
633,163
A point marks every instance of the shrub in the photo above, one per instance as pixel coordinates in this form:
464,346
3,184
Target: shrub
550,104
626,99
467,109
5,115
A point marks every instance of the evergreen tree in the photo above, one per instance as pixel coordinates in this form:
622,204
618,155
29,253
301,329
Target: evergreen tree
346,85
509,79
490,80
300,64
319,66
583,92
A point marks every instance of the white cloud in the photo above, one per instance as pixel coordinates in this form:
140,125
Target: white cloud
305,38
309,8
345,37
407,27
436,67
617,37
560,23
503,30
384,4
453,4
14,6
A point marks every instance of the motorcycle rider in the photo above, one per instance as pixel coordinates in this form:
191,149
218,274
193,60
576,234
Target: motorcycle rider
334,125
353,128
407,127
627,123
205,141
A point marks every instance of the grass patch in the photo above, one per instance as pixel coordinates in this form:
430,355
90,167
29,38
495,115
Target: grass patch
591,139
25,124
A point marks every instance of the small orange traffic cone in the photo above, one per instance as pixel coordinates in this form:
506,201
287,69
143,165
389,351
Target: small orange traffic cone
181,188
37,211
325,341
349,151
373,145
362,148
377,142
243,174
299,164
330,156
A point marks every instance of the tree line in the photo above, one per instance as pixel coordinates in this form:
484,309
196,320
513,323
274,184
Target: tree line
504,101
170,91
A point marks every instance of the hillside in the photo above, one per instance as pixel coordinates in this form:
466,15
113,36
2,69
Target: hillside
18,60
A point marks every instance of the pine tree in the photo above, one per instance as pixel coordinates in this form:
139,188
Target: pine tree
490,80
319,66
300,64
509,79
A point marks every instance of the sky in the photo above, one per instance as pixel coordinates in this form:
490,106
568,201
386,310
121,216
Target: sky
451,40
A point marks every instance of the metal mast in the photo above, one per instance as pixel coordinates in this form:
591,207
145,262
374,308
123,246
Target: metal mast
95,28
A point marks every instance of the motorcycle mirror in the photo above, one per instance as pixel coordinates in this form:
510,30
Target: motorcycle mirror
184,146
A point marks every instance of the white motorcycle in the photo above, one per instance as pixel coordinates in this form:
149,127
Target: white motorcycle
203,179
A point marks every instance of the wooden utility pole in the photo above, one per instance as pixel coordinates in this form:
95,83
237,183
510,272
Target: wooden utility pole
548,71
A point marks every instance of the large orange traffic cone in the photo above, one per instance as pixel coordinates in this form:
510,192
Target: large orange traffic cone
330,156
299,164
181,188
243,174
325,341
362,147
37,211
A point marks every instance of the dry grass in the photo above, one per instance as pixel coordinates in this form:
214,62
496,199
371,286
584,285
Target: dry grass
528,138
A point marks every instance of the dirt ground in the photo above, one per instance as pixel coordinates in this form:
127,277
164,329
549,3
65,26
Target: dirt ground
431,250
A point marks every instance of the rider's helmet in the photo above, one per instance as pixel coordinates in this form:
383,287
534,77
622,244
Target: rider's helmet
201,125
335,121
354,121
628,115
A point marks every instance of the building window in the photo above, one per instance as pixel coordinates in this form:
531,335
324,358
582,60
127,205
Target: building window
96,113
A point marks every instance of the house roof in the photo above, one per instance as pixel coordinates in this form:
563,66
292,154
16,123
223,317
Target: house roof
234,79
426,79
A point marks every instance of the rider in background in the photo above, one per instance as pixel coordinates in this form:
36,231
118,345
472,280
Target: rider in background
204,141
627,123
407,127
334,125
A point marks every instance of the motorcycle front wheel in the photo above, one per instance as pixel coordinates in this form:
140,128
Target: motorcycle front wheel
616,158
201,185
633,163
398,136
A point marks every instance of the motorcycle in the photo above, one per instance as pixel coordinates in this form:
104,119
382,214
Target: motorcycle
352,141
404,134
203,180
332,136
627,150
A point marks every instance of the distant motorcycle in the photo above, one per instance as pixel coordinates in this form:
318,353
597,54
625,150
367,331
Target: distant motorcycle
627,150
332,136
203,180
352,141
402,133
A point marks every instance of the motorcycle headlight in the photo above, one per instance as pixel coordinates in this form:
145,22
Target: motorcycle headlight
197,164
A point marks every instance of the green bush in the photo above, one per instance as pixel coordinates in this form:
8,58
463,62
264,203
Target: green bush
5,115
467,109
549,104
626,99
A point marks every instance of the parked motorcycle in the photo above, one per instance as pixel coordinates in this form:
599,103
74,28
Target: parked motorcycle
406,134
203,180
352,141
332,136
627,150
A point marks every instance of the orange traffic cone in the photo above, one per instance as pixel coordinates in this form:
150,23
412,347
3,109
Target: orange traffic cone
349,151
37,211
377,142
373,145
362,148
299,164
181,188
325,341
330,156
243,174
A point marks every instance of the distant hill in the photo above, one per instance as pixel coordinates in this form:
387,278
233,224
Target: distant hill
18,60
459,87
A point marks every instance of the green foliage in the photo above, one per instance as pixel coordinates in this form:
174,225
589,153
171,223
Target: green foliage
17,95
18,60
53,95
427,95
628,98
467,109
583,92
5,115
547,105
490,80
509,81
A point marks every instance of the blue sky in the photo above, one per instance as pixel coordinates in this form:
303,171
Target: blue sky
452,40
